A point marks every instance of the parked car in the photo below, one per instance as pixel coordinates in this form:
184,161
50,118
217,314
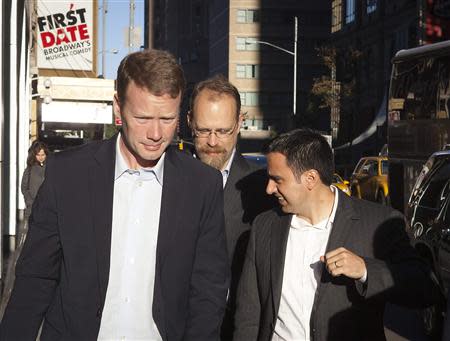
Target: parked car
258,158
369,179
261,159
428,212
341,184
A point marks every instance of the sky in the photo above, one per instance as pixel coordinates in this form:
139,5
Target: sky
117,20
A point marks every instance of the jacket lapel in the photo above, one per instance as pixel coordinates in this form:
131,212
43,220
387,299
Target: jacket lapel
173,196
345,221
278,243
101,183
231,195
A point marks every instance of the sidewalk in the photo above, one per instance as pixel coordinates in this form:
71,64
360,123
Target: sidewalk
10,255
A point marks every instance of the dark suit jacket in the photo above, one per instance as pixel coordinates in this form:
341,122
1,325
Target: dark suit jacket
62,274
244,198
343,309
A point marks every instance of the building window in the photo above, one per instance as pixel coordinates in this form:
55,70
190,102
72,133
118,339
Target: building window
349,11
336,15
247,16
240,44
371,6
245,43
249,99
247,71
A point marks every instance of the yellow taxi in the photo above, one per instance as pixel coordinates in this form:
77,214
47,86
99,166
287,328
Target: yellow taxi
341,184
369,179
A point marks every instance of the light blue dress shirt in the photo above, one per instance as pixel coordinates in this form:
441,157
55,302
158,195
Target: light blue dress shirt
127,314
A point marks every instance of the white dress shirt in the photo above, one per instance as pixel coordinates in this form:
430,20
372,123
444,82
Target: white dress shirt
302,271
127,314
226,171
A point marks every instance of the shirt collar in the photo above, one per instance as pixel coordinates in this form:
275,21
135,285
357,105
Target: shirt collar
226,171
299,223
335,204
122,166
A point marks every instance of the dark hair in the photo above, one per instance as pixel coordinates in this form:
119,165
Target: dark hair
34,149
220,86
305,149
154,70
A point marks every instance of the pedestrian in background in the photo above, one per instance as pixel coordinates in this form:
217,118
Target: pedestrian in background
32,179
323,265
215,119
33,176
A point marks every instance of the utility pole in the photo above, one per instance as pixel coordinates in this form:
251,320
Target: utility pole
290,119
104,12
294,106
131,28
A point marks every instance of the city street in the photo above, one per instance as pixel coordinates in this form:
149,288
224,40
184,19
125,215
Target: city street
231,83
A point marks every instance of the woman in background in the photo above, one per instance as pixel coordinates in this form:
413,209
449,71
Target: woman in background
33,176
32,179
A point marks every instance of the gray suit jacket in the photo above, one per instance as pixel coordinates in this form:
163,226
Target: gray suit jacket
343,309
244,199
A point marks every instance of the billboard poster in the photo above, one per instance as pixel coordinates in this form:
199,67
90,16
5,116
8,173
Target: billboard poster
65,34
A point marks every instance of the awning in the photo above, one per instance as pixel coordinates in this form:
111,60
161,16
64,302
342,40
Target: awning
379,120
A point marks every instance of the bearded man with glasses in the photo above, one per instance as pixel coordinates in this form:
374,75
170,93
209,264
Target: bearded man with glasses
215,119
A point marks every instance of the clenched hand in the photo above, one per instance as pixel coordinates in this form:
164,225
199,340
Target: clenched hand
344,262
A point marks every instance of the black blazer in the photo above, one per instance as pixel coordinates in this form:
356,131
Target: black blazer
244,198
343,309
62,274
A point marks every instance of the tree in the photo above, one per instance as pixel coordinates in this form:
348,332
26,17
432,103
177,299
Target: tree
336,91
329,88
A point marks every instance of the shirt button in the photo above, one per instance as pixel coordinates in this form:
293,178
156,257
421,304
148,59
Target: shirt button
137,221
140,183
127,299
131,260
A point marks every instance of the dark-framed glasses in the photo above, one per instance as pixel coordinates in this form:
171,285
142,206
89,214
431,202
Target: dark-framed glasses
220,133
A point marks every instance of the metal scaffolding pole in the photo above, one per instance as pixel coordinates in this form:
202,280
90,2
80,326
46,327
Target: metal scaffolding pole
104,11
131,28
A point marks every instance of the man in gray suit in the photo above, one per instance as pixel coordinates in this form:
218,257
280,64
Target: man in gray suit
322,266
215,119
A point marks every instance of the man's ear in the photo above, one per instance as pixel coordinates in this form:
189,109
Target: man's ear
241,120
116,105
311,178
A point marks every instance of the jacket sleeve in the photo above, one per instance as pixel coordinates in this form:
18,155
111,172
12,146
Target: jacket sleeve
24,186
210,273
248,307
398,273
37,270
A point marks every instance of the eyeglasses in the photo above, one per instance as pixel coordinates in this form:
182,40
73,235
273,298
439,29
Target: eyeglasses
220,133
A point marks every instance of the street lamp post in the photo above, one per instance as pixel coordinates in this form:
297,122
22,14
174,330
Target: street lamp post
104,11
103,53
104,50
293,53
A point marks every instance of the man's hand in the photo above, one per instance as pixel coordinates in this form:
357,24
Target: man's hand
344,262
